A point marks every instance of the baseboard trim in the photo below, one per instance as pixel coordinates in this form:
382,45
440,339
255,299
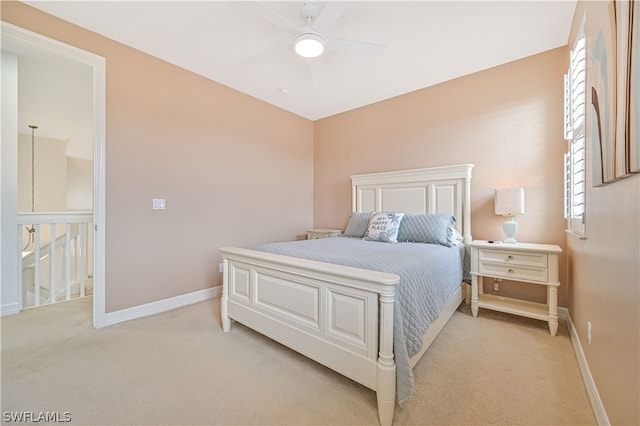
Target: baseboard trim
592,391
159,306
10,309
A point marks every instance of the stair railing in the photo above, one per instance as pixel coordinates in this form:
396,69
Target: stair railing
57,263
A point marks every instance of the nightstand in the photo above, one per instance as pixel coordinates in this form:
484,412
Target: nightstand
523,262
314,234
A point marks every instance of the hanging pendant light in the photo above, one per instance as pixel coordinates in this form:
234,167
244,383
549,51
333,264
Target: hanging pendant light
32,230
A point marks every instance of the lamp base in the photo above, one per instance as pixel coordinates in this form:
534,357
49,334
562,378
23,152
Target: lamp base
510,227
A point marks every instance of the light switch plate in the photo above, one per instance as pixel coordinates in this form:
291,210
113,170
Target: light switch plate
158,204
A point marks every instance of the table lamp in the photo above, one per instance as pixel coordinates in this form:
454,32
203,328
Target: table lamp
509,203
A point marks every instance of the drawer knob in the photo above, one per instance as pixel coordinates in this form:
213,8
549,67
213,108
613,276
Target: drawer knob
510,271
509,257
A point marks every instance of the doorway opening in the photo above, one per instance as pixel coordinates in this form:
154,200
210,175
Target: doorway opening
60,90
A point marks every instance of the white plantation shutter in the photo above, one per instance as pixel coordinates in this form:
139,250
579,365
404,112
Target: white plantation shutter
567,106
574,133
567,186
578,86
578,183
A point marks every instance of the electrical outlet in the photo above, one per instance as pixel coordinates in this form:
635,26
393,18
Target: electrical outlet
496,284
589,331
221,267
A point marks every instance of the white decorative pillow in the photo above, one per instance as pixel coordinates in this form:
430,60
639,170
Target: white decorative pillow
384,227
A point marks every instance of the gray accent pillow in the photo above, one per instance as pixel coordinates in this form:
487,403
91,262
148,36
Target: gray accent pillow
358,224
433,228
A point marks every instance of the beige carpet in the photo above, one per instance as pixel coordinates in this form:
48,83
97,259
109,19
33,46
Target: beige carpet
180,368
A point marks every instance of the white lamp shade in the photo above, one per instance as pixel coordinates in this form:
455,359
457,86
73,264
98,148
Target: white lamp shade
509,201
309,45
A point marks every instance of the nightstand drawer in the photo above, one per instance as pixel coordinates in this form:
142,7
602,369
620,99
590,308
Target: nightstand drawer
513,272
513,257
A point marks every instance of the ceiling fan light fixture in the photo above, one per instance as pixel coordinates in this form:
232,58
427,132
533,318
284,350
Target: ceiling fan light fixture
309,44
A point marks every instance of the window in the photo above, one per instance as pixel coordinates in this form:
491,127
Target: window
574,133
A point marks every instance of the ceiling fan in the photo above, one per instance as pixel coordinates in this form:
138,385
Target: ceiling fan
310,41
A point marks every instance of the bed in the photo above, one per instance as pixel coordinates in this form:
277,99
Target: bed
349,315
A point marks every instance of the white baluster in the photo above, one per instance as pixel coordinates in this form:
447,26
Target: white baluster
75,253
52,265
82,262
20,267
67,260
36,264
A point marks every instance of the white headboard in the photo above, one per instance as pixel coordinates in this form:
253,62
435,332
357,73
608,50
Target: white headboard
444,189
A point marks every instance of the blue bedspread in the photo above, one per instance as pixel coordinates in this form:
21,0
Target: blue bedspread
429,275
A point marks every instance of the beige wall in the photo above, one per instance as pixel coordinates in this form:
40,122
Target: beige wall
79,184
233,170
604,276
506,120
50,169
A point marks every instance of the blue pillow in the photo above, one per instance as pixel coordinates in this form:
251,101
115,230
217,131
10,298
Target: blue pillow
358,224
433,228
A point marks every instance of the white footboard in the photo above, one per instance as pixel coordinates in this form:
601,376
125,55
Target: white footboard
339,316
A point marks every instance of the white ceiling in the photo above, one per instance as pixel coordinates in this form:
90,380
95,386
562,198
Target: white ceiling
427,42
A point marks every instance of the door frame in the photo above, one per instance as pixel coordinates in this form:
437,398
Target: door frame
98,65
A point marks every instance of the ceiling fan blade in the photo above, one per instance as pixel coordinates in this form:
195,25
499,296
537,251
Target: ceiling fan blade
262,10
353,46
277,52
329,15
316,71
